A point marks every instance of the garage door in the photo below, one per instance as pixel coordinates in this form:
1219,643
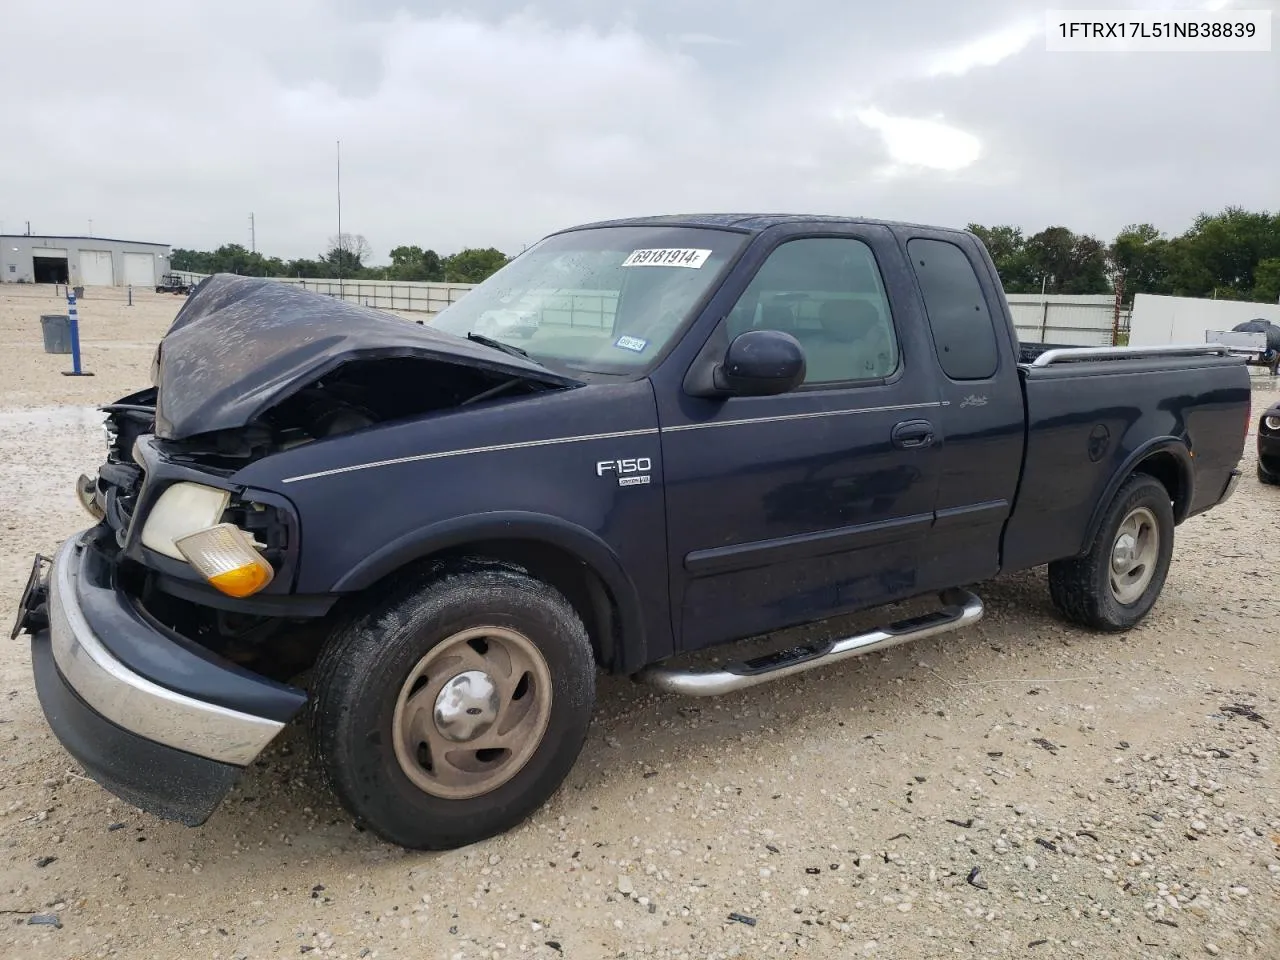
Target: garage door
95,268
140,269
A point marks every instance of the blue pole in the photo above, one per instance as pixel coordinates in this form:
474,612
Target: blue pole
75,334
75,370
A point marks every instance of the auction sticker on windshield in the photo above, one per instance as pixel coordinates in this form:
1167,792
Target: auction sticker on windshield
631,343
667,257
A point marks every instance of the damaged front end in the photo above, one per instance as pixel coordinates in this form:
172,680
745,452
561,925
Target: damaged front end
252,368
165,636
241,348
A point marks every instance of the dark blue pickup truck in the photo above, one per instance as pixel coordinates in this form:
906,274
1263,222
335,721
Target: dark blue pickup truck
638,439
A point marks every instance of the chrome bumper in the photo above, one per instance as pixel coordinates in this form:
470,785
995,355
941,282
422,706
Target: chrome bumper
130,700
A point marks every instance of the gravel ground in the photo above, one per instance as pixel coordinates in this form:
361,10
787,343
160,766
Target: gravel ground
1021,788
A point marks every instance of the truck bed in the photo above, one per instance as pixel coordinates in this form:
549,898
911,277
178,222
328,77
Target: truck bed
1075,450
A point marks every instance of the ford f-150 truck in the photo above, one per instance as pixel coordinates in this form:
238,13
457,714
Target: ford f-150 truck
714,427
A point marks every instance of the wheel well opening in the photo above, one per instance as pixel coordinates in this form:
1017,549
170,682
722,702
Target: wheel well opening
565,571
1166,468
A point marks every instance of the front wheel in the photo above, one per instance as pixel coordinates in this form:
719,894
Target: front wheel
1115,584
454,707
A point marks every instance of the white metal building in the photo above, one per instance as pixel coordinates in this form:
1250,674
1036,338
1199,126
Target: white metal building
1160,320
82,261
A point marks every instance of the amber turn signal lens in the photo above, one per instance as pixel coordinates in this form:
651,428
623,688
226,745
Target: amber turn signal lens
226,557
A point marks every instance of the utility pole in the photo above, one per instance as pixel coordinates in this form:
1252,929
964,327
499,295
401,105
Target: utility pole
340,244
253,237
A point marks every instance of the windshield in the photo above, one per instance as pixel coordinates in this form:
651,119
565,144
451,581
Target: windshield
603,300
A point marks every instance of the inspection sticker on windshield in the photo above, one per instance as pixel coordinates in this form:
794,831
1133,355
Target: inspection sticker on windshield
631,343
667,257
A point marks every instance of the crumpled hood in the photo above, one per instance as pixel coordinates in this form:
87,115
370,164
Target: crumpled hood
241,345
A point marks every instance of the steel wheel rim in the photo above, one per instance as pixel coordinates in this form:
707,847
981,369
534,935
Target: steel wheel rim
472,712
1135,552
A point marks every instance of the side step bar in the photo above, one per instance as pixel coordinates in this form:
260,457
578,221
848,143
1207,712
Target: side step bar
960,608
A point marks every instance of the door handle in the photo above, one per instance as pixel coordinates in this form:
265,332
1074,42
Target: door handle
912,433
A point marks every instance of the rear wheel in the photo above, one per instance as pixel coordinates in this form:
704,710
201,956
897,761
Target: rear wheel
1116,583
455,706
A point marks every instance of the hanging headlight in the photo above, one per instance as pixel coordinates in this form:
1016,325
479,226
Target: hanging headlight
227,558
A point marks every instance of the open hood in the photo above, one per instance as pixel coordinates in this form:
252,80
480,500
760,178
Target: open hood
241,345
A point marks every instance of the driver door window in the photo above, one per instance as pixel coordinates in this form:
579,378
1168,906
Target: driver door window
826,292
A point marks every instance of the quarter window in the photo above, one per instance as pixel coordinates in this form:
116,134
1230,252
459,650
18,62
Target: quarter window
958,315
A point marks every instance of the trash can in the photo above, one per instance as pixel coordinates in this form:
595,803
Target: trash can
57,332
79,292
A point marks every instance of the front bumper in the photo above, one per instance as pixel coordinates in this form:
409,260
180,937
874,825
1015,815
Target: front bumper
153,717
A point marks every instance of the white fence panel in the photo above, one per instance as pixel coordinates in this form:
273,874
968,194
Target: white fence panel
1055,318
1076,320
403,295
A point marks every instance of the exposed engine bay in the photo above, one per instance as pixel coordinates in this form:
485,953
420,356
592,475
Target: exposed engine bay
357,395
256,365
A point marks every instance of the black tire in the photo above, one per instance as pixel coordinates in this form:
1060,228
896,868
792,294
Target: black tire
1270,479
366,663
1081,587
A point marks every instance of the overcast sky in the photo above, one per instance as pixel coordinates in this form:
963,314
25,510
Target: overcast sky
493,123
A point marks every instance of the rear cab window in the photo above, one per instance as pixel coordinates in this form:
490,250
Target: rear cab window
959,316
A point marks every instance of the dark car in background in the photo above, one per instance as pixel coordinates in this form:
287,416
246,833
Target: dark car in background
1269,445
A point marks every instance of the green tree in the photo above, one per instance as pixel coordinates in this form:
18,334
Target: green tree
473,265
304,267
414,263
1008,249
1219,254
1266,281
197,261
1066,262
1139,260
347,254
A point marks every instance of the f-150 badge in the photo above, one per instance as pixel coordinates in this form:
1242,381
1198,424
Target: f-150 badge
631,472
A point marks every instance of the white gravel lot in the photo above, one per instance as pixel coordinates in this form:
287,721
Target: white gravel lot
1019,789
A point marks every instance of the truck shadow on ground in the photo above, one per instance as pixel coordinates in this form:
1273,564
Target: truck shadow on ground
639,737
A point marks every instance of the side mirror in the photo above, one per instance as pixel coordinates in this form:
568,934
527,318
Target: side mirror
760,363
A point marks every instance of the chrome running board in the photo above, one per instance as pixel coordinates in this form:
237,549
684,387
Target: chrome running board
960,609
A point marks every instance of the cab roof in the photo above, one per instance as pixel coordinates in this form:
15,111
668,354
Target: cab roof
747,222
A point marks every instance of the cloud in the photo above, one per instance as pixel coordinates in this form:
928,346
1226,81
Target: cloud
931,144
985,51
704,40
495,123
